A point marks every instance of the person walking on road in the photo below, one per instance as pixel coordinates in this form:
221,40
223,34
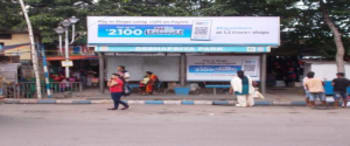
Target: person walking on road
242,87
315,87
340,84
116,87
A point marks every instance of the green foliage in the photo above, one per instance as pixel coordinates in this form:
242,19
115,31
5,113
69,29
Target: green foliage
302,23
9,16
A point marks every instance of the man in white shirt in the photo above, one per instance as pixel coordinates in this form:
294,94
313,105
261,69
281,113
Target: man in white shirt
242,87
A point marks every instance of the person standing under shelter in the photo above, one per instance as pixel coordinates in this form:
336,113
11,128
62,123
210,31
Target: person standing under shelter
152,83
340,84
307,94
242,86
315,87
125,75
123,72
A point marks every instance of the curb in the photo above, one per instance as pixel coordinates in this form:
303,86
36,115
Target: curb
152,102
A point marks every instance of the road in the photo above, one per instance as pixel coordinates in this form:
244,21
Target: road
171,125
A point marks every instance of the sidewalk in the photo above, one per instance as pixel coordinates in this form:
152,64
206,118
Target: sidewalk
275,97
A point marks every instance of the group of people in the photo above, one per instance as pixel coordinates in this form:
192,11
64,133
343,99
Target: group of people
241,85
314,89
118,86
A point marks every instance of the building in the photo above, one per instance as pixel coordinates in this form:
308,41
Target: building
15,45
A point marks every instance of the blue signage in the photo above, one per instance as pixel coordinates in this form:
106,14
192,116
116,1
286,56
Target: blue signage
214,69
145,31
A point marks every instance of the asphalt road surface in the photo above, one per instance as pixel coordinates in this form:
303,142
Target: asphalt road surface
172,125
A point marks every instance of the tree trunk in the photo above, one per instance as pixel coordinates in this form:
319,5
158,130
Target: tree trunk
33,50
337,38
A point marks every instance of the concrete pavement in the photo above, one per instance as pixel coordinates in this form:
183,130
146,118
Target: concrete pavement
171,125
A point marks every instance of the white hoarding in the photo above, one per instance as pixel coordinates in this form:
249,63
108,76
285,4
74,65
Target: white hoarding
221,68
180,31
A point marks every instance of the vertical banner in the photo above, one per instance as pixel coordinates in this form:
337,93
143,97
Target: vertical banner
221,68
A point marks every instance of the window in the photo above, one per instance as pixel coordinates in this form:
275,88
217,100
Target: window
5,36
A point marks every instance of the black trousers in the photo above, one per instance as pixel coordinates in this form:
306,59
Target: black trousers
116,99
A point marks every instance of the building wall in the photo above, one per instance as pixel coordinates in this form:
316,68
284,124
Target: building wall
17,38
165,67
326,70
23,51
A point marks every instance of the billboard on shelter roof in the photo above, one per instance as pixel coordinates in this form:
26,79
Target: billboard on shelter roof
183,31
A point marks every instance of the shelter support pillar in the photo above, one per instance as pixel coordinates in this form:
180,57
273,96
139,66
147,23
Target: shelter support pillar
263,73
183,69
101,61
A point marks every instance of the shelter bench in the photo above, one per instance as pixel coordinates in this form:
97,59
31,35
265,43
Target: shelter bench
132,86
215,86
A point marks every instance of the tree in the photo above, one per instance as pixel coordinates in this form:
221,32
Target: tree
46,15
9,16
324,8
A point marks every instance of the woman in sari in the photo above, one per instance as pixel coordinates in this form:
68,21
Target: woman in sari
151,83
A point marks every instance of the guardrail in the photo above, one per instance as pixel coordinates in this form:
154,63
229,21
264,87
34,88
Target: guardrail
28,89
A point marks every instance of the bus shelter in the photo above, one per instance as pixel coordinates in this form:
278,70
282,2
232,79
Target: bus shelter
184,49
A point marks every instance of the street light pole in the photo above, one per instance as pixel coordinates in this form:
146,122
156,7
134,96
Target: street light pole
60,30
66,52
66,23
73,20
60,43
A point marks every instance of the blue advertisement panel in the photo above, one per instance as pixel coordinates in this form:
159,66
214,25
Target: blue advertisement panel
145,31
183,31
214,68
221,68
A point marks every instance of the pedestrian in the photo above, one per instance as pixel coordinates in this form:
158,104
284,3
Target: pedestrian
340,84
315,87
116,86
307,93
123,72
242,87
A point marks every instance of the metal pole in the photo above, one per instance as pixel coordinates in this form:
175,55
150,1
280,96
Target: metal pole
60,44
67,52
183,69
73,34
263,73
33,50
46,73
101,72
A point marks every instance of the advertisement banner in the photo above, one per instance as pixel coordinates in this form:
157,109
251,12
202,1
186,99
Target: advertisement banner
183,31
221,68
237,49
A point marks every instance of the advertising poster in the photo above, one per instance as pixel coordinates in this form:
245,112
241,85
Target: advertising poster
221,68
183,31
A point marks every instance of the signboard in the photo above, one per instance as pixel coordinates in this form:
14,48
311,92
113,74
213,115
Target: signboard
221,68
183,31
67,63
237,49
